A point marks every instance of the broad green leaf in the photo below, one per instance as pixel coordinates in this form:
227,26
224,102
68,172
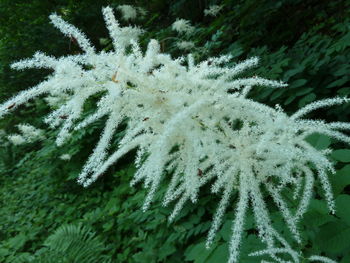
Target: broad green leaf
198,253
319,206
225,231
4,252
316,219
334,237
341,179
220,254
346,259
343,208
250,244
319,141
342,155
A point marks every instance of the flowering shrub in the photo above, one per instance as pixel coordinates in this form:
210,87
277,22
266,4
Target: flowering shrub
213,10
192,124
128,12
185,45
182,26
28,134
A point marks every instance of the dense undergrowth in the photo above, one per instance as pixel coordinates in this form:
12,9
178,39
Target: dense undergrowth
304,43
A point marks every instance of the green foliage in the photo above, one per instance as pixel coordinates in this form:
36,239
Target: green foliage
68,244
305,43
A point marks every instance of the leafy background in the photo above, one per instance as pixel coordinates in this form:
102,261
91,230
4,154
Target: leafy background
303,42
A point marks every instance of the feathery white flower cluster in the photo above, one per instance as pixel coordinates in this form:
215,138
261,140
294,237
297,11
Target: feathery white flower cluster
143,12
185,45
28,134
16,139
183,26
130,12
56,99
65,157
192,125
213,10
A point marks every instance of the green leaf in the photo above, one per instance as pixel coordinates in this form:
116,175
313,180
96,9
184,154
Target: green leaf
298,83
293,72
108,226
167,250
319,206
17,242
290,99
341,179
334,237
343,208
307,99
319,141
338,82
346,259
342,155
112,206
4,252
303,91
226,231
198,253
277,94
317,214
316,219
250,244
220,254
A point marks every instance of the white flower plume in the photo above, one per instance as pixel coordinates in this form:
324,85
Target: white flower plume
65,157
182,26
185,45
128,12
16,139
213,10
192,124
28,134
